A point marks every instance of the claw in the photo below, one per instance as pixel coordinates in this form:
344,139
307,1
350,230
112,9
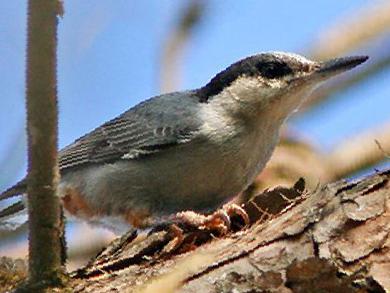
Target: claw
220,221
234,209
177,238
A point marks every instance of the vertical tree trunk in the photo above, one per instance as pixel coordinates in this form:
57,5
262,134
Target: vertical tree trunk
45,227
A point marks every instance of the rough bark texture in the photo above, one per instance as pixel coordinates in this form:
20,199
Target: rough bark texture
335,239
45,227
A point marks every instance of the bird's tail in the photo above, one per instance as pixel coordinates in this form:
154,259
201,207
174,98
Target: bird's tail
15,215
17,189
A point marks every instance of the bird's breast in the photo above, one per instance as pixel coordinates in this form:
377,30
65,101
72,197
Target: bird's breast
254,152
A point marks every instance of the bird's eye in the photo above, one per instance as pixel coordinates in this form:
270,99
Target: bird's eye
273,69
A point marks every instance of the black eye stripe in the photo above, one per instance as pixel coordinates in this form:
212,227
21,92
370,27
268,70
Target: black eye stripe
265,65
273,69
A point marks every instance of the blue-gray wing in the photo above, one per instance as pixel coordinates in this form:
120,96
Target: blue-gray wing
148,128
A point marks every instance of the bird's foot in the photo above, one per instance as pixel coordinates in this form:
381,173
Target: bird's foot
229,218
187,230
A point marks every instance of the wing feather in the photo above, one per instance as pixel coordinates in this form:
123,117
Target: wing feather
146,129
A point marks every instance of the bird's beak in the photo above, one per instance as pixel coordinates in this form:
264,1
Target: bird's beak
333,67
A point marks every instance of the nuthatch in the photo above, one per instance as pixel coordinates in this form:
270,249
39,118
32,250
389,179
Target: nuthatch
186,151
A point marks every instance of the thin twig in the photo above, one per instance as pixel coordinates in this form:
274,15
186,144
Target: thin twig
360,152
385,154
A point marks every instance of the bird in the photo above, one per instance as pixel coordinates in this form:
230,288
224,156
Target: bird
187,151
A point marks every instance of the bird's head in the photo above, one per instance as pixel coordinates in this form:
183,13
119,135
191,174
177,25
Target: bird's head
273,83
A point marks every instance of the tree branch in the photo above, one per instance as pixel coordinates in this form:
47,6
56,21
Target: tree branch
336,239
45,226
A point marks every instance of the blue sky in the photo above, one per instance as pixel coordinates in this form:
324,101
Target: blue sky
109,57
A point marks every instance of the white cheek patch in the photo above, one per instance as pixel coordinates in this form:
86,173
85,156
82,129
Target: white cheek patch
251,89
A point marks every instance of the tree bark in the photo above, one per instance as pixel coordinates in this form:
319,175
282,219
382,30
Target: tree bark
335,239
